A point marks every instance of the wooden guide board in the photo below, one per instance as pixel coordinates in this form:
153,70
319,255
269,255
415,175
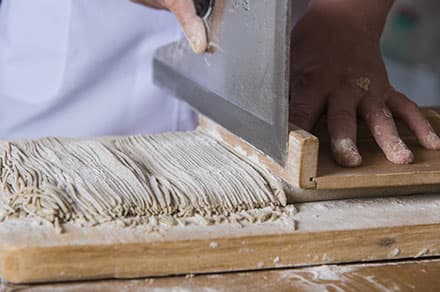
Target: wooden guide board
326,233
313,175
376,171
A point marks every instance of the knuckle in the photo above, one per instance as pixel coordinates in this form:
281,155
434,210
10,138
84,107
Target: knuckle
372,109
305,78
302,115
301,111
346,116
410,106
169,3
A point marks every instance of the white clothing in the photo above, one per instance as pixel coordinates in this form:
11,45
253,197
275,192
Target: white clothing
84,68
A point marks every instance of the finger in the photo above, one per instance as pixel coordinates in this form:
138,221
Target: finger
380,121
307,102
305,112
192,25
409,112
342,126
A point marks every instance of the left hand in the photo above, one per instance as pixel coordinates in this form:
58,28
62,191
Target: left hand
338,68
185,13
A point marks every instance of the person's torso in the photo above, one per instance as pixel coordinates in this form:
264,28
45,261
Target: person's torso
83,68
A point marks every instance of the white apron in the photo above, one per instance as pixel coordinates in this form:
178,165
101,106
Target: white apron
84,68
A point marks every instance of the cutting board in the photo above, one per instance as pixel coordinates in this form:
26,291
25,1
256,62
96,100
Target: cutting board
324,233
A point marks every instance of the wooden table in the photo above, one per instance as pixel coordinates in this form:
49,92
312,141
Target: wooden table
387,276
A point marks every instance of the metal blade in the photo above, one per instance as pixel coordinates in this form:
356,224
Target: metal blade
244,83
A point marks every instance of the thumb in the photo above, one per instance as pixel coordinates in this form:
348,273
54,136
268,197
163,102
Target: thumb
192,25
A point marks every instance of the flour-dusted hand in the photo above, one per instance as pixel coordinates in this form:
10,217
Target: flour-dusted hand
185,12
338,68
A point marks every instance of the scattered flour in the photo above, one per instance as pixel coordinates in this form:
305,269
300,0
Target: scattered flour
395,252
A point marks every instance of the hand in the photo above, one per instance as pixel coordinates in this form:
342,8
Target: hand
338,67
185,12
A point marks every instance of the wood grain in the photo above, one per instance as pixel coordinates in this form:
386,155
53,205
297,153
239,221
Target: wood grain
416,275
310,165
328,233
302,158
408,227
376,171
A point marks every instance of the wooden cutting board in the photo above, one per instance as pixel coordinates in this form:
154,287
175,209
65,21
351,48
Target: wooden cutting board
325,233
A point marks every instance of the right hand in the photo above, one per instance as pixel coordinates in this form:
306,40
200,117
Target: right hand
338,69
185,12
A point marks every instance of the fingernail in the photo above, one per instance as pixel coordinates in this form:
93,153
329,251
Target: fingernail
399,153
431,141
346,153
196,35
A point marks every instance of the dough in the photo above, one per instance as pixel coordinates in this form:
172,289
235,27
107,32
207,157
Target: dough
175,175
